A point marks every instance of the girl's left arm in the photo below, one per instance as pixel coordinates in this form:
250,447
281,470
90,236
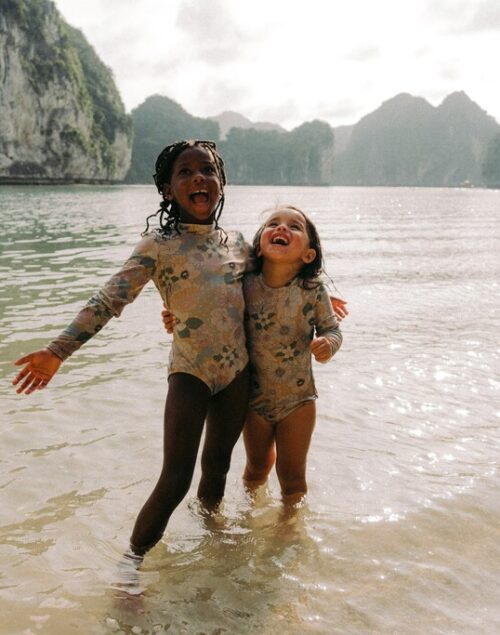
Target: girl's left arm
328,335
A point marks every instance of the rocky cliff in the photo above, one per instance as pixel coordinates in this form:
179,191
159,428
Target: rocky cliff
61,116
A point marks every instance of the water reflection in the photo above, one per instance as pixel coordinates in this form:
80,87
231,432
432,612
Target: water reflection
402,511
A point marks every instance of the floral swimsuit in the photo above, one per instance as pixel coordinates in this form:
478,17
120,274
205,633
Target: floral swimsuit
199,276
280,325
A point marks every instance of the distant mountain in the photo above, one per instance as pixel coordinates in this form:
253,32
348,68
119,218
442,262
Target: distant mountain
491,165
229,119
266,156
61,116
303,156
157,122
407,141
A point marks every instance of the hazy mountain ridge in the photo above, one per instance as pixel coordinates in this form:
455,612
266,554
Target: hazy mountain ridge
407,141
157,122
252,156
62,118
230,119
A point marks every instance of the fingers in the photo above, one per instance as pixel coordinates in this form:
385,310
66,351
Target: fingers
321,349
31,377
27,384
23,360
30,384
20,376
339,307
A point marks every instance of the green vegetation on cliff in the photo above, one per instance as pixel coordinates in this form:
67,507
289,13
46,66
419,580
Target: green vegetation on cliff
56,58
253,157
157,122
303,156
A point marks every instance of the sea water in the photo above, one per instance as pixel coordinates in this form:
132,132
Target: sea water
400,532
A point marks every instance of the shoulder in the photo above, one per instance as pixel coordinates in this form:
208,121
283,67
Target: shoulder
235,237
148,245
314,290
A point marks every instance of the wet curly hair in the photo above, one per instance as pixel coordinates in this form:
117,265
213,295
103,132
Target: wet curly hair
169,212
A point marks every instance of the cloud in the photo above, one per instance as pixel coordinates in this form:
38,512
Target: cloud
363,54
486,18
212,33
465,16
345,109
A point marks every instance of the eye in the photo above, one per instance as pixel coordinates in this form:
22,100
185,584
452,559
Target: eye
210,169
297,227
184,171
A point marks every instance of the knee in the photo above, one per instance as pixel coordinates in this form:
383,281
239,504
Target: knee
257,470
292,481
172,488
216,463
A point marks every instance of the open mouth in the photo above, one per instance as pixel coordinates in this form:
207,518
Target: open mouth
199,197
279,240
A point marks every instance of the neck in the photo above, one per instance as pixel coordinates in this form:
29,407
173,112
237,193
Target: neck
278,275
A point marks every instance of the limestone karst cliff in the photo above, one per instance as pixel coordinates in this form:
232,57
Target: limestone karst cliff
61,116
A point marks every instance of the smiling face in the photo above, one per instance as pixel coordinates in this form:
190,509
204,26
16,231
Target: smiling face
285,239
195,186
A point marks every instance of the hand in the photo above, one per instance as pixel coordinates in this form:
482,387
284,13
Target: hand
321,349
40,367
339,307
169,320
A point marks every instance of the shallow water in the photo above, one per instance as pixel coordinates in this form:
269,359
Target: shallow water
401,529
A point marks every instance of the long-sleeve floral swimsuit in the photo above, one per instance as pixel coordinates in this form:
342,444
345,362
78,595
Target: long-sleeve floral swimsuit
200,277
280,325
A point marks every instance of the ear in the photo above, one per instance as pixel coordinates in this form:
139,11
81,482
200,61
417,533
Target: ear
167,192
309,256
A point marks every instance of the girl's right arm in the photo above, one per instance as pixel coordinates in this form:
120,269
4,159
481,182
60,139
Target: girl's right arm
120,290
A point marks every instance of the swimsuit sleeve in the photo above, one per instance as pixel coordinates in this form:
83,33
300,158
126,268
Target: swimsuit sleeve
121,289
250,261
326,322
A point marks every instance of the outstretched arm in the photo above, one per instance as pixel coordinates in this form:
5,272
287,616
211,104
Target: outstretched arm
39,369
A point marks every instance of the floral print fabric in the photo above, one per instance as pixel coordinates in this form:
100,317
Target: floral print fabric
280,325
199,275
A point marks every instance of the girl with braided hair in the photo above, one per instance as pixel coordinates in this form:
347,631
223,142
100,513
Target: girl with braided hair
198,268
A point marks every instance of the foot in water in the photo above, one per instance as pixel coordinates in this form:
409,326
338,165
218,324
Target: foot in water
127,579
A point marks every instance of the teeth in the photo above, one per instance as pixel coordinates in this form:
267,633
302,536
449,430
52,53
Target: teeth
279,240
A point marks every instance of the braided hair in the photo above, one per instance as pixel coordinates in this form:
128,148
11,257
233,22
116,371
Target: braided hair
169,214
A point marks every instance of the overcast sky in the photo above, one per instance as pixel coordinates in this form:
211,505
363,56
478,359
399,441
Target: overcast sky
290,61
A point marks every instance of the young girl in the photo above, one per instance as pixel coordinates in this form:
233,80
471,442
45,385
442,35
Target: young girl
198,268
286,306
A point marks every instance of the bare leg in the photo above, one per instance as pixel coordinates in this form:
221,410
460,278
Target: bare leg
185,410
226,416
260,448
293,438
